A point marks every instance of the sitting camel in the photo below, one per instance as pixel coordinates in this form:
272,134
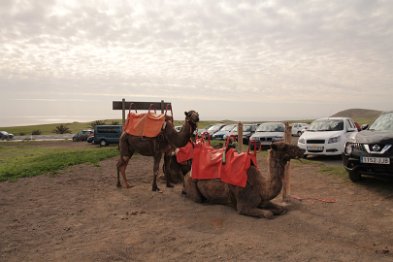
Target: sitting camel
254,198
156,146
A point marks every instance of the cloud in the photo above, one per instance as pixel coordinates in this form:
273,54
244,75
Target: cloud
282,51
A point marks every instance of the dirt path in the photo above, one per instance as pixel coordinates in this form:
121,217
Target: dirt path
79,215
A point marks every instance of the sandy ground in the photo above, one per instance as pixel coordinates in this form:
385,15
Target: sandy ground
78,214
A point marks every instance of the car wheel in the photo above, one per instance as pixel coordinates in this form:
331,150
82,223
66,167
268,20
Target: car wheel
354,176
299,133
103,143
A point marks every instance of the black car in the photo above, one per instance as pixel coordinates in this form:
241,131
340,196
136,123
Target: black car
370,152
82,135
248,130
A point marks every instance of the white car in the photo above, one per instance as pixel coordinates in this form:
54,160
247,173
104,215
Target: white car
266,134
298,128
327,136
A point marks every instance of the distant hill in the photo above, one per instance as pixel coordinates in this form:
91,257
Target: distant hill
361,116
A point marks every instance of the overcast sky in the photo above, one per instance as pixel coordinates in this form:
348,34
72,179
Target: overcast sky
67,60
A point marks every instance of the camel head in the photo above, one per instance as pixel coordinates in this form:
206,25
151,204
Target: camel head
283,152
192,117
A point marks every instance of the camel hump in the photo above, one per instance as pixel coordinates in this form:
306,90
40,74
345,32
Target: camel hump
146,124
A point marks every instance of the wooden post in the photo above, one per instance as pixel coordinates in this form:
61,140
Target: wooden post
162,107
286,180
123,111
240,137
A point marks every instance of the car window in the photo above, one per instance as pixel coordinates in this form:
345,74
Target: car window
327,125
228,128
350,124
247,128
383,123
214,128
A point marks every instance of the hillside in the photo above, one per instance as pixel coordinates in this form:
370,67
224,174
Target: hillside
362,116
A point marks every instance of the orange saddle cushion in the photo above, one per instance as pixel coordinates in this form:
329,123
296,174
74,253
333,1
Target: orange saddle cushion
208,163
146,124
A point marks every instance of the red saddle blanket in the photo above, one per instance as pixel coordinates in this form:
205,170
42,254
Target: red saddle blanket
209,163
147,124
185,153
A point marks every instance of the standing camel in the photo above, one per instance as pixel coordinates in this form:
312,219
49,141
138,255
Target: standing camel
155,146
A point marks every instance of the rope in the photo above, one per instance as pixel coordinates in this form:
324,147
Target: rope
324,200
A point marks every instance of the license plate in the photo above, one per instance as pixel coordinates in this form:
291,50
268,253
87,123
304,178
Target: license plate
315,148
375,160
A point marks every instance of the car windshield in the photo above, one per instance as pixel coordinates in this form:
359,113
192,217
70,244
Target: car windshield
383,123
327,125
227,128
246,128
270,127
214,128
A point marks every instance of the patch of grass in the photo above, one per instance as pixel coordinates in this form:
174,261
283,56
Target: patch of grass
26,160
333,170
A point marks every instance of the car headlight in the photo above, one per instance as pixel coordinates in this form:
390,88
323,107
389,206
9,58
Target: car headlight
348,148
302,141
334,140
277,138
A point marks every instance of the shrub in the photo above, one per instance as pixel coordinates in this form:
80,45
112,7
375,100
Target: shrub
36,132
97,123
61,129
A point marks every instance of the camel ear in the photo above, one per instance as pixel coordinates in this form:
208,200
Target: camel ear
185,113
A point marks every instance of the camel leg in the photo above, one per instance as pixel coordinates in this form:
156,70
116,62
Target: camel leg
248,206
276,209
121,168
190,189
167,169
157,159
247,210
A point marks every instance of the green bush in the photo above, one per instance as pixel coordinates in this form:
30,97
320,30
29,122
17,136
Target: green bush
97,123
36,132
61,129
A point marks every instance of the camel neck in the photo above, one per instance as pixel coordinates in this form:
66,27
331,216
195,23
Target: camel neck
178,139
273,182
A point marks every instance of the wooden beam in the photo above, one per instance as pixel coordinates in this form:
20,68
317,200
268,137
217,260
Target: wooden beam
123,105
161,106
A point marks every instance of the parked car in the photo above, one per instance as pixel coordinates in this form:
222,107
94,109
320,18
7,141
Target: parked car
248,130
82,135
298,128
213,129
370,152
90,139
5,135
225,130
202,130
266,134
107,134
327,136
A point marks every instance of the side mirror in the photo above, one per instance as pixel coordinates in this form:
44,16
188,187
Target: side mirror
364,126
